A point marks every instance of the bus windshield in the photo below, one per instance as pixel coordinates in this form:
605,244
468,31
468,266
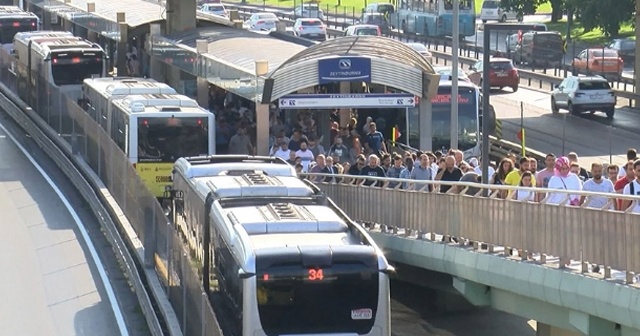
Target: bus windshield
165,139
467,118
339,299
10,27
71,68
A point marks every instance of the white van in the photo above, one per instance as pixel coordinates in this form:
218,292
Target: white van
491,11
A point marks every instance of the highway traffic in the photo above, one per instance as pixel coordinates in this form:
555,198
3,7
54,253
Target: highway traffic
498,40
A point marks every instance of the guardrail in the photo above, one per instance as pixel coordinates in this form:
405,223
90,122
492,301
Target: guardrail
465,48
506,217
61,153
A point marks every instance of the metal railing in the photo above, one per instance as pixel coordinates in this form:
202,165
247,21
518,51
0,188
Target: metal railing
599,236
65,126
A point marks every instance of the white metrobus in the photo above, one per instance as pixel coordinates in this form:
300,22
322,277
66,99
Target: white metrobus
98,93
154,130
287,260
59,58
15,20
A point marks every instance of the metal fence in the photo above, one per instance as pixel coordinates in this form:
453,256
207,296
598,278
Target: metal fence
163,247
603,237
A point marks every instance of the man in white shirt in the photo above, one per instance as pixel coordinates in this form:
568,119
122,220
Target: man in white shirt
305,155
283,151
633,188
598,184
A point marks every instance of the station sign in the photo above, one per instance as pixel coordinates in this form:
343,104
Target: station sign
333,101
344,69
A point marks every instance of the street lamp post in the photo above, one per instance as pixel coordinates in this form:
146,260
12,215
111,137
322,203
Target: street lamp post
262,116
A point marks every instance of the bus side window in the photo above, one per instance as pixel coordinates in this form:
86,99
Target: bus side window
119,131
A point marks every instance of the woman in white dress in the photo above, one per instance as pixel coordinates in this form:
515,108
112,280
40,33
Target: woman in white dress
564,180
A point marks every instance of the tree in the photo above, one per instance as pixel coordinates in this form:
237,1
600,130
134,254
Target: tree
524,7
557,7
606,15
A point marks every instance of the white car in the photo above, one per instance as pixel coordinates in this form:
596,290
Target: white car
312,29
584,93
445,74
262,21
491,11
309,11
422,50
214,8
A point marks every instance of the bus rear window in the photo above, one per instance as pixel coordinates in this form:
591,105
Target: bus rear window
167,139
73,68
10,27
342,298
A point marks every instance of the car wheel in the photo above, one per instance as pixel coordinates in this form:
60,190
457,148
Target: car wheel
514,88
571,109
610,112
504,18
484,21
554,107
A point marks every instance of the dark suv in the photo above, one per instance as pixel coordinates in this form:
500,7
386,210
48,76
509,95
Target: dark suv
539,49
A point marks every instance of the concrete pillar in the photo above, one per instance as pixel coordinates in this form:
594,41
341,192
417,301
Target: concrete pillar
262,129
121,62
345,114
156,67
426,124
46,20
543,329
181,15
202,46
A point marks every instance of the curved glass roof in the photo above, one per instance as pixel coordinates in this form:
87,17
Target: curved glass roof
368,46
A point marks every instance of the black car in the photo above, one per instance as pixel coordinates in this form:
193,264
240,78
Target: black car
540,50
626,49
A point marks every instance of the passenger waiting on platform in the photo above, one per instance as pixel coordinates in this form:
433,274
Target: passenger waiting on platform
374,141
448,172
526,181
422,172
406,172
296,138
356,150
340,151
597,183
281,150
513,179
305,155
356,169
564,179
386,162
315,147
612,172
373,169
623,181
500,176
240,143
633,187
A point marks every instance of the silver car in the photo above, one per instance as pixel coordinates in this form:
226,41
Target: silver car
262,21
445,74
422,50
312,29
214,8
309,11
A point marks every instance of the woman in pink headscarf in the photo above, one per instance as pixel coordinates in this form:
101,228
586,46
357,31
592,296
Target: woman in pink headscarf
564,179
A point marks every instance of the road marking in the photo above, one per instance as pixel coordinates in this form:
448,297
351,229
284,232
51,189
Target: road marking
83,231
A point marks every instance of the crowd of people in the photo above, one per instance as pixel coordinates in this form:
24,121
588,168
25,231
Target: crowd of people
373,159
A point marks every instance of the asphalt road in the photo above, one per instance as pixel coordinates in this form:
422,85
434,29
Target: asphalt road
49,285
411,315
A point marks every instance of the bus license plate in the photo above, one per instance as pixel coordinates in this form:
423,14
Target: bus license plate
361,314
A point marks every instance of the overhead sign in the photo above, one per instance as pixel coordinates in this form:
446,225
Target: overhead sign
331,101
344,69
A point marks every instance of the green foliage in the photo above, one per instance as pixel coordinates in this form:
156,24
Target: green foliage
522,6
606,15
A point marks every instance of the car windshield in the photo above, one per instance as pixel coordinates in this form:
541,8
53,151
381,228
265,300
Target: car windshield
605,53
367,31
418,47
501,65
215,8
594,86
307,23
628,45
490,5
267,16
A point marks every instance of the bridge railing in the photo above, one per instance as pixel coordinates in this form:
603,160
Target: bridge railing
600,236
